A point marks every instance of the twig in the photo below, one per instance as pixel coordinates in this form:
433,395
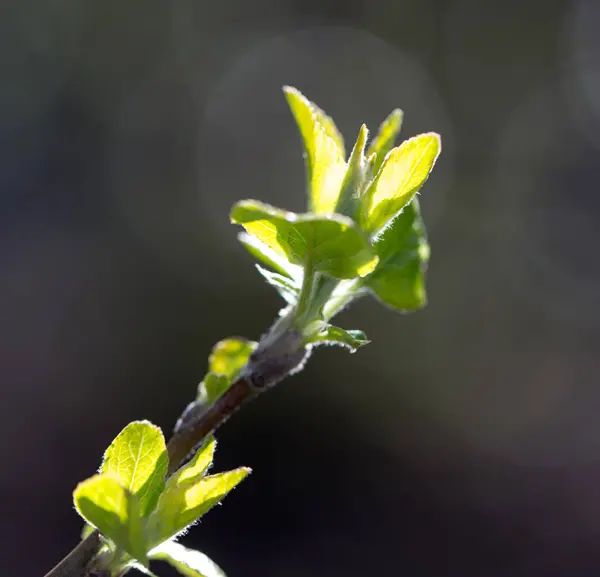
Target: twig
279,354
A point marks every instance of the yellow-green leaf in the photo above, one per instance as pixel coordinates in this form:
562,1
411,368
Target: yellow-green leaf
331,244
385,138
229,356
324,150
188,562
138,459
105,504
182,505
193,471
404,171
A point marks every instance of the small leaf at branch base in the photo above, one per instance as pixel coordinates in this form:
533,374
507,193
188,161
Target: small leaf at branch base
138,459
261,252
285,286
385,139
104,503
404,171
332,335
399,279
188,562
334,243
324,151
211,388
229,356
183,504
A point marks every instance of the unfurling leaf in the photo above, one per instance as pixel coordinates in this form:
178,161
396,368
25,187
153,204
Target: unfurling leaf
385,138
332,335
332,244
104,503
404,171
355,178
286,287
188,562
261,252
324,149
183,504
138,459
399,279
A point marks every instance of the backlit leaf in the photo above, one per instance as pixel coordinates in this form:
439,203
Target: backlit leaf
333,244
104,503
183,504
404,171
324,150
229,356
285,286
355,178
138,459
385,138
332,335
261,252
193,471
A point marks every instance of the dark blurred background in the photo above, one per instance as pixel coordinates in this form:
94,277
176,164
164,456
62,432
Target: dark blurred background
464,441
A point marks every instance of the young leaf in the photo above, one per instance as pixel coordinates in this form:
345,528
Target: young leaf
226,360
324,150
193,471
385,139
211,388
331,335
334,244
404,171
229,356
354,179
104,503
188,562
399,279
261,252
183,504
138,459
287,289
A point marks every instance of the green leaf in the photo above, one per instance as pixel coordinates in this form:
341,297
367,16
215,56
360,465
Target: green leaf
385,139
193,471
188,562
404,171
225,362
138,459
355,178
261,252
334,244
211,388
325,164
332,335
286,287
183,504
104,503
229,356
399,279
